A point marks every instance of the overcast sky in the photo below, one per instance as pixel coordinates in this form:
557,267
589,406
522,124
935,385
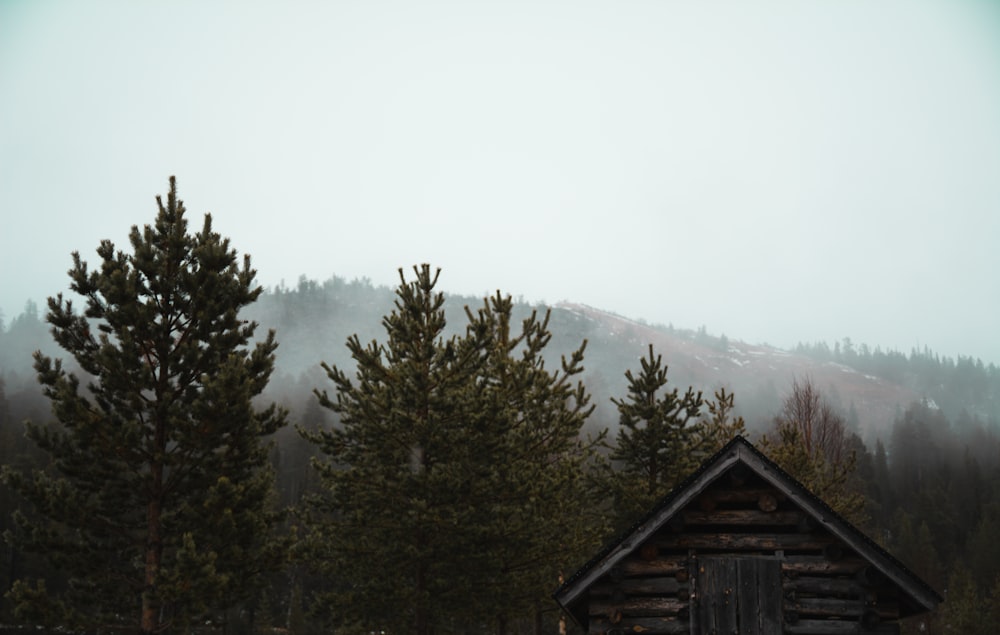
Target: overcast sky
776,171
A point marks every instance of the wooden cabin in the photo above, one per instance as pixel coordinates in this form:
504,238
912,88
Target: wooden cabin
742,547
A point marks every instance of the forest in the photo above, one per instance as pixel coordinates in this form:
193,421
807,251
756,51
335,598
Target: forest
191,453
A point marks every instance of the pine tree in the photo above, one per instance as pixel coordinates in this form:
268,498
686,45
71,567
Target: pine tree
455,476
653,450
719,426
156,501
540,510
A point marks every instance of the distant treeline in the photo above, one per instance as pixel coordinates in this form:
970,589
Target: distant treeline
961,387
313,320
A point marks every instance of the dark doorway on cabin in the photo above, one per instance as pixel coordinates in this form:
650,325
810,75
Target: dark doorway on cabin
738,594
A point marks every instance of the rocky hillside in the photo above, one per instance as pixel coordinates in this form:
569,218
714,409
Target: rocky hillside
759,375
313,321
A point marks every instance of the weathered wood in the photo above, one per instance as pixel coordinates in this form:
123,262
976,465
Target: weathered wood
743,494
767,502
659,566
739,594
676,524
707,502
638,607
825,578
870,619
887,609
834,551
760,596
823,586
648,551
826,607
739,474
819,564
742,517
838,627
644,625
717,594
663,585
871,576
739,541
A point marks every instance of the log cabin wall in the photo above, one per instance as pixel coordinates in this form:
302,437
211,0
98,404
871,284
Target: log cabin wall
742,557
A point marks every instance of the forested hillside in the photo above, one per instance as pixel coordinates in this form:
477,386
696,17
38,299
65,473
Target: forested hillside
923,431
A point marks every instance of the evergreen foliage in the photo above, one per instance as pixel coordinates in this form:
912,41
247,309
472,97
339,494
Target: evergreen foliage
455,480
155,503
932,486
955,385
662,437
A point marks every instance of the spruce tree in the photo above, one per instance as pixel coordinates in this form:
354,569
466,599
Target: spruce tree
653,449
455,477
156,502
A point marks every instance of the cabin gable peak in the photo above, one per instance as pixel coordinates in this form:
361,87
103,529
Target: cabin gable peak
741,525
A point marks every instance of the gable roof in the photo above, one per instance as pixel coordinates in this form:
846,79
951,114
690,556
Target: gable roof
739,451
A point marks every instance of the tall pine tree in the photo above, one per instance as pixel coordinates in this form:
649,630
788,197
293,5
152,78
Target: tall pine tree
455,476
539,512
156,503
653,450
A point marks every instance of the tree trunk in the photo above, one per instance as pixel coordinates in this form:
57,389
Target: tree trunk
149,622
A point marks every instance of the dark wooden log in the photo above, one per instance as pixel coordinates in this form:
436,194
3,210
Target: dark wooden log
664,585
637,607
617,573
887,609
767,502
706,502
806,524
819,564
870,619
826,607
834,551
648,551
644,625
676,524
838,627
744,494
823,586
739,541
742,517
872,577
659,566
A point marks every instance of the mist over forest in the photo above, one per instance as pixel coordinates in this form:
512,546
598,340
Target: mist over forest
868,385
925,428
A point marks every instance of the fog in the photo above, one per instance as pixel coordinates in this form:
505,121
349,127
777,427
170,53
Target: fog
776,171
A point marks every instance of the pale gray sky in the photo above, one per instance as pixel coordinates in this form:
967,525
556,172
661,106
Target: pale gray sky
777,171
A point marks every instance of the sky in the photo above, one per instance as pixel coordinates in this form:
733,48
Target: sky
779,172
